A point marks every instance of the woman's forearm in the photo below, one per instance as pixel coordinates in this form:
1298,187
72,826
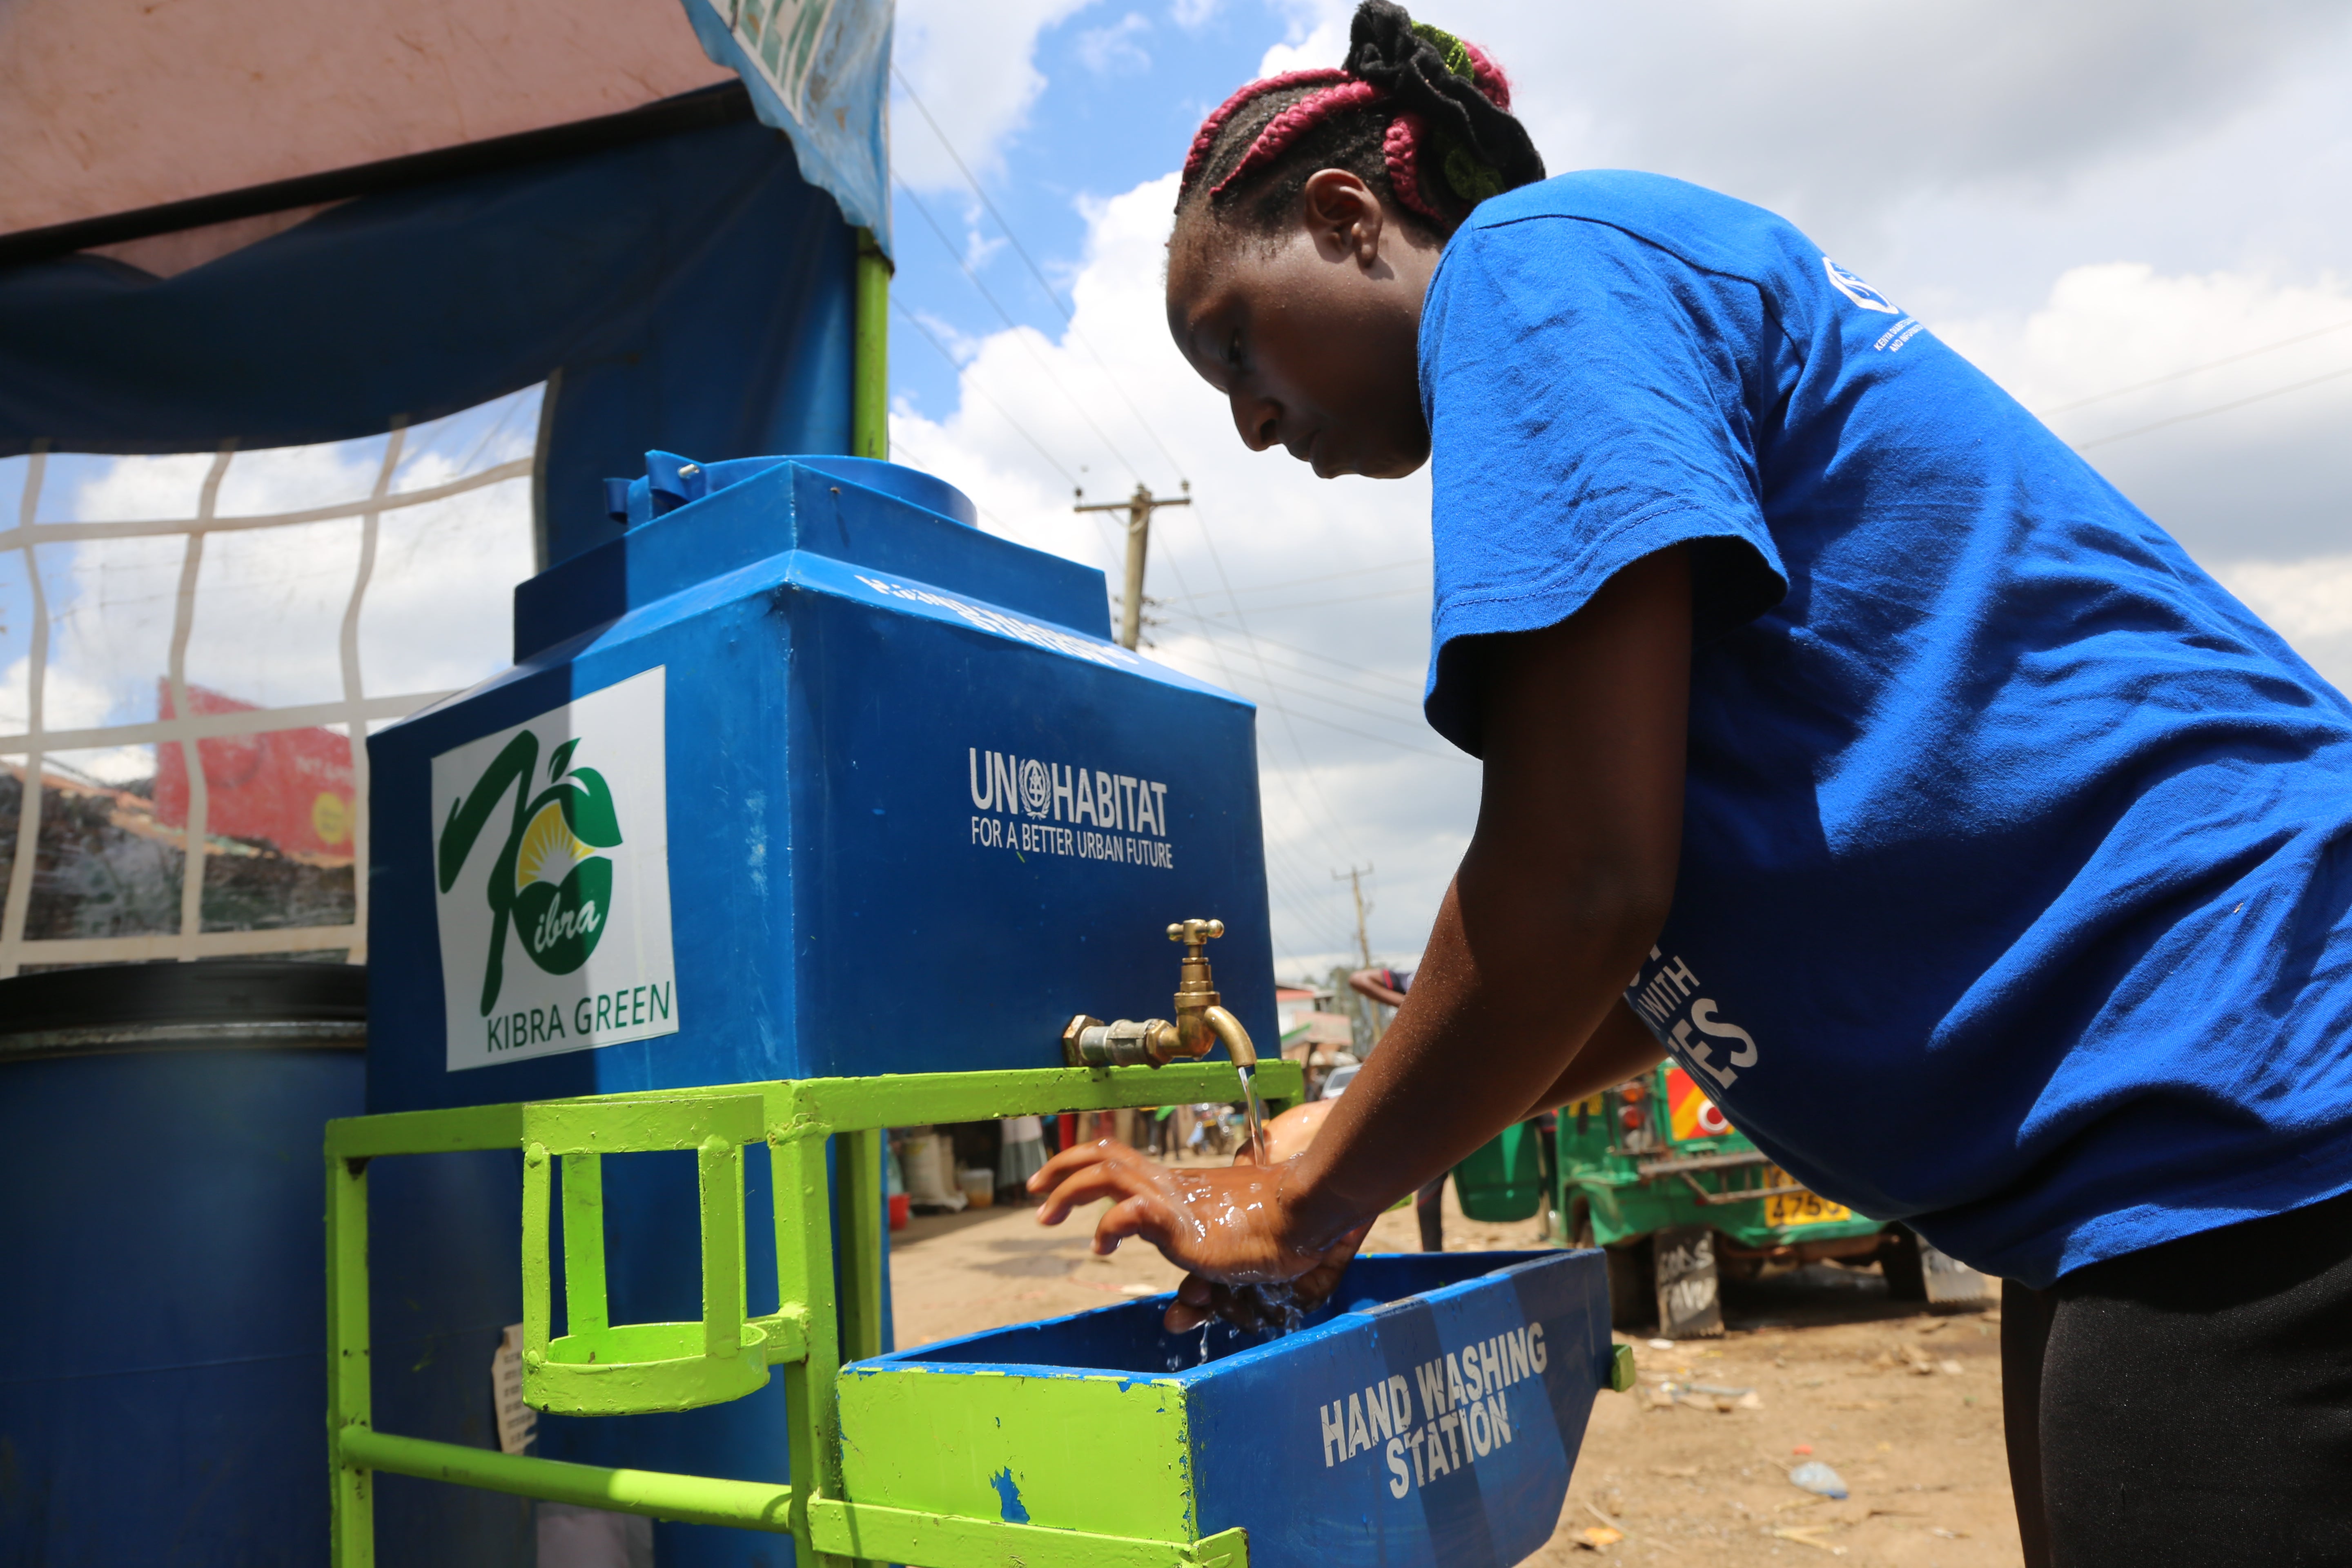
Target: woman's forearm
1621,1048
1479,1042
1564,891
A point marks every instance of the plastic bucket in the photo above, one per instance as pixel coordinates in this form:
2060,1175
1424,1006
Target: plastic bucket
1503,1179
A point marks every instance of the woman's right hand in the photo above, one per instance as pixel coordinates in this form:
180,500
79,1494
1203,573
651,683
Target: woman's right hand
1227,1228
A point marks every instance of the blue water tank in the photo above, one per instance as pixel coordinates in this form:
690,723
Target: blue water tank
801,776
163,1354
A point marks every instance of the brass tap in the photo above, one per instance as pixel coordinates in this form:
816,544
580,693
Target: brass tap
1201,1023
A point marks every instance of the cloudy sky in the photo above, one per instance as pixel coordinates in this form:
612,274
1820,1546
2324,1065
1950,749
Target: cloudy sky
2134,216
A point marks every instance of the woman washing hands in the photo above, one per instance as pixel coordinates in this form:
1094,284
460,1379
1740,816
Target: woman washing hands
1313,214
1843,733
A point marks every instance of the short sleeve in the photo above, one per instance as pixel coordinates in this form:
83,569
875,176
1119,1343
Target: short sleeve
1592,400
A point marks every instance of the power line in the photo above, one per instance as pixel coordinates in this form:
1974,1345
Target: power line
1320,604
1068,315
931,338
1422,561
1218,560
2216,408
2193,370
1382,740
1294,647
1281,774
1391,717
1403,692
1016,330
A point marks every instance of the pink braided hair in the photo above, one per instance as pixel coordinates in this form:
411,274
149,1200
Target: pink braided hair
1486,76
1400,146
1203,138
1295,120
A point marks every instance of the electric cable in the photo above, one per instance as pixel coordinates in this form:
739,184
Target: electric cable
2193,370
1068,315
1317,604
931,338
1422,561
1304,652
2216,408
1018,333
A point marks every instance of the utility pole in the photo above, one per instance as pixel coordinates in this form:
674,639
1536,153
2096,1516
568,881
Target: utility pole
1355,879
1356,876
1138,508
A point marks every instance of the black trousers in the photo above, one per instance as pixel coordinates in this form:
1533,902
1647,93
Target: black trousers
2188,1403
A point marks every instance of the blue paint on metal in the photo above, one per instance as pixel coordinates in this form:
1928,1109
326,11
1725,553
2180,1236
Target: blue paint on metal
1461,1327
1008,1495
843,650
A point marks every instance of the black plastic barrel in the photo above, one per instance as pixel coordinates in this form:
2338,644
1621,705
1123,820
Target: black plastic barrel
163,1365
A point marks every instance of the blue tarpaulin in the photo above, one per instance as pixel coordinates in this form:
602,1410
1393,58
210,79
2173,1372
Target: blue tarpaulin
688,290
816,70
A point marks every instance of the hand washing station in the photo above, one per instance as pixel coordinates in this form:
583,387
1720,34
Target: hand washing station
809,810
1428,1413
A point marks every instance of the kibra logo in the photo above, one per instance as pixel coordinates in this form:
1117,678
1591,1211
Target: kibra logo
549,878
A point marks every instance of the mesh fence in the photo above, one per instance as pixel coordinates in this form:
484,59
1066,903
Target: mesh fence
192,650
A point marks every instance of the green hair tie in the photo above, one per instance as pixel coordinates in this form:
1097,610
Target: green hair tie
1472,179
1449,47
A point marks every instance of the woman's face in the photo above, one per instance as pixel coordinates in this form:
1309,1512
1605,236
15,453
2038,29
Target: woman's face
1312,333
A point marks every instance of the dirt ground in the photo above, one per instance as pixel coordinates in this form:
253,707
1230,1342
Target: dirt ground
1867,1385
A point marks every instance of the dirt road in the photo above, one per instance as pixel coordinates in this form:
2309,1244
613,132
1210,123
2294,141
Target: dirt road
1870,1388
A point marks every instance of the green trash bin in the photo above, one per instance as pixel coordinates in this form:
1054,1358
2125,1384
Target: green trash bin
1502,1180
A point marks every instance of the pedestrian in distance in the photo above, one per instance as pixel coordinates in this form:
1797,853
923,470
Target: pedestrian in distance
1844,735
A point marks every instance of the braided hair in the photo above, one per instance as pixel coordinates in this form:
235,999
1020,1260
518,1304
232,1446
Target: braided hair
1413,111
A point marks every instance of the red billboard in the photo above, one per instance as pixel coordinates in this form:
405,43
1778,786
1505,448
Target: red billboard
290,789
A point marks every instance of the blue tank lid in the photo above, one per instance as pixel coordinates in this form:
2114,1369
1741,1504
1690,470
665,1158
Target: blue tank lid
910,485
672,481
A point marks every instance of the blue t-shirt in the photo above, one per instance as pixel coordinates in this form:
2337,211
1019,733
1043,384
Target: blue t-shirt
2015,879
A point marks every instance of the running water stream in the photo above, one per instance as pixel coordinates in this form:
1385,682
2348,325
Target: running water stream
1254,1123
1277,1304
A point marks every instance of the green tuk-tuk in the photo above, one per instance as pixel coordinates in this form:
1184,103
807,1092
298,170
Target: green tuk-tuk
1652,1172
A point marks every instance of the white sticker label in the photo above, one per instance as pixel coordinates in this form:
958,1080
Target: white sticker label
517,1422
552,864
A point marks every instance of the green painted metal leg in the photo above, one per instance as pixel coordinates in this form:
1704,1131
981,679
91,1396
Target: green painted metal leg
349,1398
858,1181
860,1200
805,1272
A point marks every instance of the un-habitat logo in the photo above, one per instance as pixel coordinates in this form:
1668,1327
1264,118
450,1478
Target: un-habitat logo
550,848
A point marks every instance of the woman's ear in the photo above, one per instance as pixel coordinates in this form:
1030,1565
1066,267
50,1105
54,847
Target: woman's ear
1343,216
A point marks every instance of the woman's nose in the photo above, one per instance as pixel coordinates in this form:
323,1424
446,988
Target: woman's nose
1259,422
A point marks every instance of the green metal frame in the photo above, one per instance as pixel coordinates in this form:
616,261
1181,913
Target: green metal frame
817,1324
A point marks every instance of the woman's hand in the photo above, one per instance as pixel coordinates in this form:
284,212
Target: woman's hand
1227,1228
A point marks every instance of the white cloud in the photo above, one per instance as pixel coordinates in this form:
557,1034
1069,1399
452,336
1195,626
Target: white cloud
1316,48
2215,400
2307,602
270,602
1104,50
974,68
1838,106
